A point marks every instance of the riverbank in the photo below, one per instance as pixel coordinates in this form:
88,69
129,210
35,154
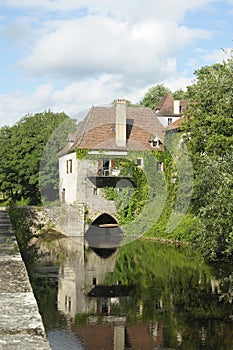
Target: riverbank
21,326
177,243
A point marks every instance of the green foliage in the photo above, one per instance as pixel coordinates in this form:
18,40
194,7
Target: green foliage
213,203
180,95
175,222
154,95
81,153
49,167
22,231
209,134
129,200
176,276
209,124
21,150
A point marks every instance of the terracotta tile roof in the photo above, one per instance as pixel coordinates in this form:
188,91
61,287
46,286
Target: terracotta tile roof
175,125
165,107
97,131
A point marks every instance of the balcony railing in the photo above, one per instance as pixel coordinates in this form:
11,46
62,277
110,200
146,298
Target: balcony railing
108,177
108,172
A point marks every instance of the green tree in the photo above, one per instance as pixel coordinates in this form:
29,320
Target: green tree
22,146
209,124
154,95
49,166
180,95
8,175
214,206
209,136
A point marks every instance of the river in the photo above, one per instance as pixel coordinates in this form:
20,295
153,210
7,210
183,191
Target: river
143,295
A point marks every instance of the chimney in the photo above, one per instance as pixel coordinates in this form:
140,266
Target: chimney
176,107
121,123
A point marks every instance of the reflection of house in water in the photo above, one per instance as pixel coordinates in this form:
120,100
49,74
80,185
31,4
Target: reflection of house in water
139,335
81,290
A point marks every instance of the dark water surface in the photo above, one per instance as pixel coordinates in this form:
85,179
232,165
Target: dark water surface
144,295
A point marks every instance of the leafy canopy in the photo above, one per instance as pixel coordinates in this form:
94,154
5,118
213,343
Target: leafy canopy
21,150
209,136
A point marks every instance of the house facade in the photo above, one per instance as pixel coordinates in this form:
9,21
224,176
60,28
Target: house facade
105,134
168,110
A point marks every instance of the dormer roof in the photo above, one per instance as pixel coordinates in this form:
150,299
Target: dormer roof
168,106
98,130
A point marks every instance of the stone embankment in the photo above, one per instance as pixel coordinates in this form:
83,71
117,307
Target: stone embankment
21,326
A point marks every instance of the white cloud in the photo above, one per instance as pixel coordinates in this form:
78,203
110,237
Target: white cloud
19,32
176,83
217,56
204,57
75,97
72,99
91,52
133,9
95,45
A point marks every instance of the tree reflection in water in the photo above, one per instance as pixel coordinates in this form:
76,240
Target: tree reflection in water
143,295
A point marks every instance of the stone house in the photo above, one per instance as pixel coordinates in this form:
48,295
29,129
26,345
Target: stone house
168,110
106,133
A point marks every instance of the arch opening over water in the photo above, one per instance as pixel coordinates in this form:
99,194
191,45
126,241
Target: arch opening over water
104,232
105,219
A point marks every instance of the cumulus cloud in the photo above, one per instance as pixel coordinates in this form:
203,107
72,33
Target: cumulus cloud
72,99
96,45
133,9
217,55
80,53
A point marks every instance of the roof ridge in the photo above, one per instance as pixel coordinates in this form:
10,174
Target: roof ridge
88,117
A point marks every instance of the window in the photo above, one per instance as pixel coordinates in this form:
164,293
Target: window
95,191
69,166
159,166
155,142
139,162
69,304
103,166
169,121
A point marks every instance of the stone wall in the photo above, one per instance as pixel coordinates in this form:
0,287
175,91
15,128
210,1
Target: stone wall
68,218
21,324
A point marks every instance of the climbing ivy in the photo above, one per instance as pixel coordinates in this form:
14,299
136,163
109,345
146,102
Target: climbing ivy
130,197
81,153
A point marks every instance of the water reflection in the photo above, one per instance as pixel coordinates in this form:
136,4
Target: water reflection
142,296
104,236
81,288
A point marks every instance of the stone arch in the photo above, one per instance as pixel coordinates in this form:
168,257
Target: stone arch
104,218
104,232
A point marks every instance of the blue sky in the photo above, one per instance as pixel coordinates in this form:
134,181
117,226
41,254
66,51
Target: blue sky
66,55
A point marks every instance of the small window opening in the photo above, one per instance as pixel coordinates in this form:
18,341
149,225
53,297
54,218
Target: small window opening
69,166
155,143
139,162
159,166
70,163
69,304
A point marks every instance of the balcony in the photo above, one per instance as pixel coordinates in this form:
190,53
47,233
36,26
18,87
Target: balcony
108,177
